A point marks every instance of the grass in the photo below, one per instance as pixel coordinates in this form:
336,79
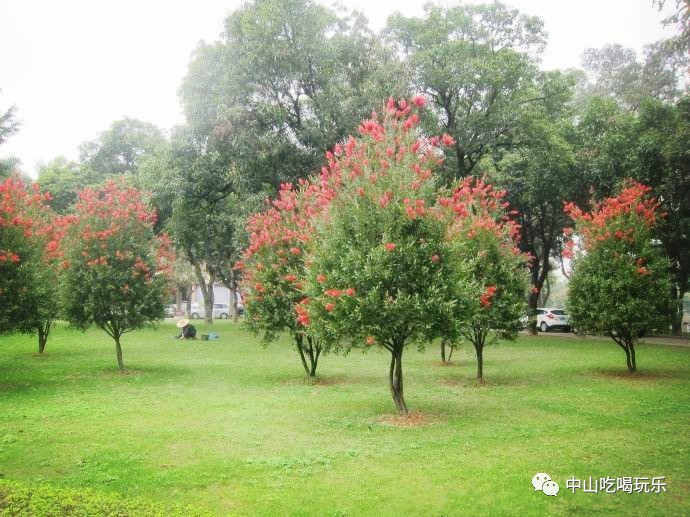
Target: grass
229,427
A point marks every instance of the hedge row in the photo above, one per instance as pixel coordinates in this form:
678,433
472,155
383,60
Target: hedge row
18,499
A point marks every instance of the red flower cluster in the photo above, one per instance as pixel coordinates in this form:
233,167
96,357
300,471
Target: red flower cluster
106,219
24,210
475,209
619,218
487,296
617,224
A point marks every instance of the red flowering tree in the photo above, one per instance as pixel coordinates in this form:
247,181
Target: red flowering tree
273,267
379,270
620,285
483,239
29,251
117,271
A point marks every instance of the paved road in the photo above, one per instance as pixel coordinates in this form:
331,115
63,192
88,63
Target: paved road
650,340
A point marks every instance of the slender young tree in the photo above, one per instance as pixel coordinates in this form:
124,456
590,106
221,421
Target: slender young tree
484,239
620,285
274,268
29,255
116,270
378,273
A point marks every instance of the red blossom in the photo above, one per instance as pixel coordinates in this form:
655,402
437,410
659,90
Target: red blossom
419,101
487,296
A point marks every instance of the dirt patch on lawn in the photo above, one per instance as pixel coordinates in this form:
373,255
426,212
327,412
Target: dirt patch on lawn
413,419
318,381
639,376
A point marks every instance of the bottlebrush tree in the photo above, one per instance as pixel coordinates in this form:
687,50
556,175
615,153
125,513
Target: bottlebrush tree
379,272
620,285
117,272
29,252
484,242
273,267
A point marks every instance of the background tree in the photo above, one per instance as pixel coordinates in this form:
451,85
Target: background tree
663,161
604,138
117,271
62,178
203,203
620,283
120,149
288,80
680,17
614,72
539,173
484,241
9,125
475,63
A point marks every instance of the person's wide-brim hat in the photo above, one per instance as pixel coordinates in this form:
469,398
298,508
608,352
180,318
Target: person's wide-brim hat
182,323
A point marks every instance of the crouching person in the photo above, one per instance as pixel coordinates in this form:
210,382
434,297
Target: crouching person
187,331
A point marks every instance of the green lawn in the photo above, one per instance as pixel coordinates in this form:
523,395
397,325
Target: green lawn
229,427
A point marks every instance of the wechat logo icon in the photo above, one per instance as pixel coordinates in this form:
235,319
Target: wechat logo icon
543,482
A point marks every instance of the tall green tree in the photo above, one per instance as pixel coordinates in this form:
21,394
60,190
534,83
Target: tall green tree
604,138
63,179
288,80
539,174
615,72
680,17
9,125
203,202
120,149
476,64
663,162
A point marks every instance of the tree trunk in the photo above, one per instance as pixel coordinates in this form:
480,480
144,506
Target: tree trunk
118,350
396,380
309,354
479,349
630,357
450,347
206,291
43,333
233,302
299,338
627,343
677,317
532,304
314,350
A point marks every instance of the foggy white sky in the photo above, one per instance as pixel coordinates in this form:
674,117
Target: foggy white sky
72,67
